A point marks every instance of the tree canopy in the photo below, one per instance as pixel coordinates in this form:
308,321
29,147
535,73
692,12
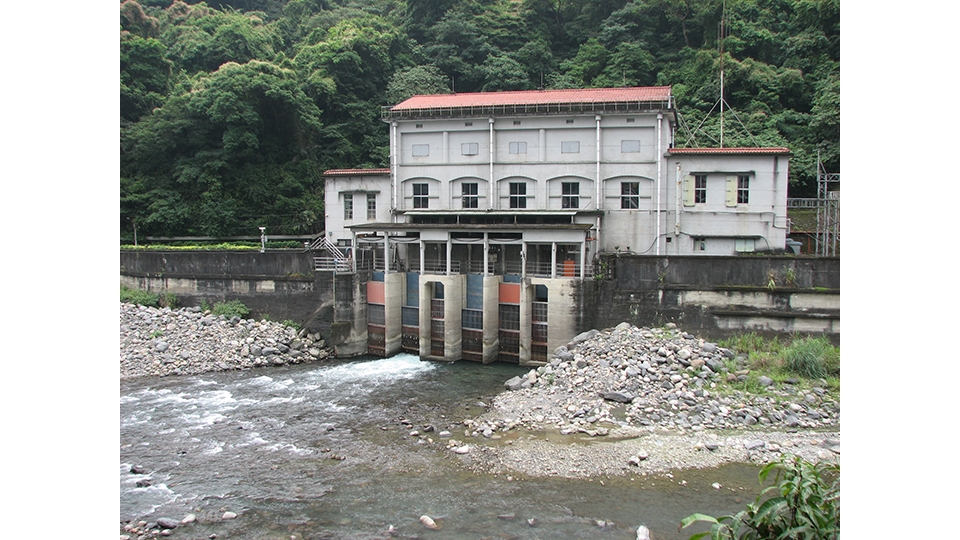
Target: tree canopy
230,110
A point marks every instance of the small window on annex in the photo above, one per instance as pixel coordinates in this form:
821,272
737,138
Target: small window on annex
469,149
518,148
629,195
371,206
699,243
700,189
348,206
570,195
743,189
469,195
421,195
518,195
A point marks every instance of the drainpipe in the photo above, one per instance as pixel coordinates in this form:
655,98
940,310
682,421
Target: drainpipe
598,205
395,159
659,174
597,190
490,188
676,226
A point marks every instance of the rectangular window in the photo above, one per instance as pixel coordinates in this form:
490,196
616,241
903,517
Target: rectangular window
421,196
629,195
743,189
371,206
348,206
468,124
699,243
745,245
570,147
571,195
516,122
421,150
518,195
469,197
469,149
700,189
629,146
518,148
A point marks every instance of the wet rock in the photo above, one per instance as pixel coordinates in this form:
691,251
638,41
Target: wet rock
429,523
514,383
168,523
229,515
618,397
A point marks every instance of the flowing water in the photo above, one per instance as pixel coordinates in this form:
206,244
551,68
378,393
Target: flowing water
325,451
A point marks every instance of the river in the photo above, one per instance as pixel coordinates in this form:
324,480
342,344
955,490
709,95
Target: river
325,451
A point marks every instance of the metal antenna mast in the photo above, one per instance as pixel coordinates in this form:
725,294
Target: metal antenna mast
720,36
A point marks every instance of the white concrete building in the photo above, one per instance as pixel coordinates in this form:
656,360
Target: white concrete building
528,187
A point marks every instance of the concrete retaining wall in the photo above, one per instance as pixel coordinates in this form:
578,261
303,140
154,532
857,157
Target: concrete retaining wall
710,296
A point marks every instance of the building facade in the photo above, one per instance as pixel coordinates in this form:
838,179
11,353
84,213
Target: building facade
496,204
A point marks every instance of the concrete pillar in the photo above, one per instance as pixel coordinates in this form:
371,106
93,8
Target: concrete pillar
423,256
523,260
449,254
393,291
491,318
553,260
486,253
527,294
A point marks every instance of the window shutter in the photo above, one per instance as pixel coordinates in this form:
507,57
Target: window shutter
688,186
731,191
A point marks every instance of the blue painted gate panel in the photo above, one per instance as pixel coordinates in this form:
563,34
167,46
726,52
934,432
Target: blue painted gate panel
413,289
474,291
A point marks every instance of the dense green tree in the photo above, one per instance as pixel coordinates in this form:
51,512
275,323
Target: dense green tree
408,82
145,75
212,159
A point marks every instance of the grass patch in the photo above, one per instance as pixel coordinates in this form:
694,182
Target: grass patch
136,296
808,360
147,298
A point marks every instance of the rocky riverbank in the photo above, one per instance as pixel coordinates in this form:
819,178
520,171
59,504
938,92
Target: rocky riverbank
159,342
646,401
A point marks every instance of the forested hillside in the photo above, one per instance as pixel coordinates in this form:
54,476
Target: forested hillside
229,111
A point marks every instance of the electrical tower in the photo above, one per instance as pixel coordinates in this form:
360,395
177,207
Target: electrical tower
828,212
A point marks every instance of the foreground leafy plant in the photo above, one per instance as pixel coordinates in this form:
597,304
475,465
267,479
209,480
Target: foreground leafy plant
805,506
233,308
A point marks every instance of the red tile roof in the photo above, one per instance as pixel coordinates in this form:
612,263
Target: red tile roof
354,172
536,97
733,150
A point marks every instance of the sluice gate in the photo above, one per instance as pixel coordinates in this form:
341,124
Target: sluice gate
466,316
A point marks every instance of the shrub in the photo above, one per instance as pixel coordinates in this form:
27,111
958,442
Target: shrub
136,296
815,358
168,300
805,505
233,308
291,323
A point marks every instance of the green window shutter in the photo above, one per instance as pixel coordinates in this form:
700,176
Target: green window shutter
731,191
688,186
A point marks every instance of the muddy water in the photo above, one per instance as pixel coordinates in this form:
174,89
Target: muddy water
325,451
